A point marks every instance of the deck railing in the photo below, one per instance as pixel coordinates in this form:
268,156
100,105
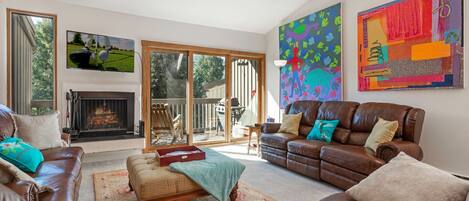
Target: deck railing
205,116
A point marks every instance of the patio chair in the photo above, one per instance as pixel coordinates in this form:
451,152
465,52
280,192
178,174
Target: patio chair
163,123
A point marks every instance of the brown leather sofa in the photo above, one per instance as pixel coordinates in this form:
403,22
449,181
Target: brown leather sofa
61,169
344,162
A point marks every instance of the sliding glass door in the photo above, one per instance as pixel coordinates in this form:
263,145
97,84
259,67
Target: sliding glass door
245,78
195,95
169,83
209,93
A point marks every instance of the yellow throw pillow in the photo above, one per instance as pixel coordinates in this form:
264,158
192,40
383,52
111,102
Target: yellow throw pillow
382,132
290,123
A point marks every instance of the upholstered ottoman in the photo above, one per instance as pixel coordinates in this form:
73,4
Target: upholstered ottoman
152,182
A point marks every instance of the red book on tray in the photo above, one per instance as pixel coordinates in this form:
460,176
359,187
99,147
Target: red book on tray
167,156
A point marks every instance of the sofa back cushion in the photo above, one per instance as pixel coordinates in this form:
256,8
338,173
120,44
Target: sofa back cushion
367,115
310,112
7,126
342,111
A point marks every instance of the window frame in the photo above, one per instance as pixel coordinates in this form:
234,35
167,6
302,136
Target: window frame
53,17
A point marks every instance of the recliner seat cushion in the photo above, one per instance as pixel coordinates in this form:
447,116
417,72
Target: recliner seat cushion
278,140
308,148
351,157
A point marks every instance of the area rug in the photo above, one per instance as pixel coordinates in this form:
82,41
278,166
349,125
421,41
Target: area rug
113,186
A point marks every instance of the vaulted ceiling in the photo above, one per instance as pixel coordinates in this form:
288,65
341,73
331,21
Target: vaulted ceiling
257,16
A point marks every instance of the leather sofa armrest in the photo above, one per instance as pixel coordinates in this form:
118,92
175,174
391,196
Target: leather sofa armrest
270,127
26,189
389,150
67,138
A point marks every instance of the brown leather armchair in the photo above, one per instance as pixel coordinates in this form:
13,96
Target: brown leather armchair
61,169
344,162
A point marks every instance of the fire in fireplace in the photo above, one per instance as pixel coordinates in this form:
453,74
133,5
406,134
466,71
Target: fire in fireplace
104,117
101,115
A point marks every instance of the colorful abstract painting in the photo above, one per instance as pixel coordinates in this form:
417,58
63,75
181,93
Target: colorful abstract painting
312,46
411,44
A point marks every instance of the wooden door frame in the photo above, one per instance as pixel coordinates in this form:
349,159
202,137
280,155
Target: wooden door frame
10,12
148,46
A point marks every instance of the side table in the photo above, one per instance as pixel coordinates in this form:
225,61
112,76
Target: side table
257,129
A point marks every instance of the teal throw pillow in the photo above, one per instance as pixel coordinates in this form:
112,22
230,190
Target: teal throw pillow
323,130
22,155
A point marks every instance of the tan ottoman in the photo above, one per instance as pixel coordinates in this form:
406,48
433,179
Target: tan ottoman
152,182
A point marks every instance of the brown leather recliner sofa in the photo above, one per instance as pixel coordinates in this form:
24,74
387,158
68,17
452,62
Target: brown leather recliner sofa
344,162
61,169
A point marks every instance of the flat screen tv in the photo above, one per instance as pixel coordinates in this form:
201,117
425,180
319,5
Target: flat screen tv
98,52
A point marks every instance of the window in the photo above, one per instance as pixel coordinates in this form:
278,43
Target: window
31,62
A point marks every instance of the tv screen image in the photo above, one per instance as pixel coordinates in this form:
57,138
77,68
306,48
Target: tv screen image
98,52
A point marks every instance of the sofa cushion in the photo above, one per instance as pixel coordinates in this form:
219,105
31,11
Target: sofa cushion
323,130
367,115
357,138
308,148
42,132
338,110
21,154
290,123
382,132
308,108
278,140
405,178
356,158
63,153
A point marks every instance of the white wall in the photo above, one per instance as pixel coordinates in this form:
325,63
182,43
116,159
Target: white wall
77,18
446,129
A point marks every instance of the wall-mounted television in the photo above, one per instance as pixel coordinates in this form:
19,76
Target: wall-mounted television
98,52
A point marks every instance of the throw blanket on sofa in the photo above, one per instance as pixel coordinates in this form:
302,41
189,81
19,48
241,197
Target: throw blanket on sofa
217,174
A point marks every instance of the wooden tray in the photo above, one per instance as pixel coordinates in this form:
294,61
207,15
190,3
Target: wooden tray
165,159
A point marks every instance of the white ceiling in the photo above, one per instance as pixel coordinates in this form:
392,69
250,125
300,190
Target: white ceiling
258,16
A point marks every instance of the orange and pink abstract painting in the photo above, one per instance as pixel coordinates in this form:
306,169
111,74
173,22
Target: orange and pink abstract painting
411,44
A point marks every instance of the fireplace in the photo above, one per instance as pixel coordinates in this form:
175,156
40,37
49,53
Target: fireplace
101,115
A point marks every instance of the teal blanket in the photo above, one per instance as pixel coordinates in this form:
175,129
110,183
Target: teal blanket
217,174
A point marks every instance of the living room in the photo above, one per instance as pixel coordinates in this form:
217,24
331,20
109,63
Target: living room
217,77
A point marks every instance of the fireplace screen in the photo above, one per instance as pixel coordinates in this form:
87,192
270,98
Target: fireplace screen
104,114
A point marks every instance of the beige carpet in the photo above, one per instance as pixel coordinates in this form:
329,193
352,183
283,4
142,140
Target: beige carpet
113,186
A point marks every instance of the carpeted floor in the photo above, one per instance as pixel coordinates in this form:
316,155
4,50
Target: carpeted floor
271,180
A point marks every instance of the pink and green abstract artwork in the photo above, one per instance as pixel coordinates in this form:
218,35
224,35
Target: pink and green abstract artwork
312,46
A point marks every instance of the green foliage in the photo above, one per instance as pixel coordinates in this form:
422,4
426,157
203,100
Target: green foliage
77,39
43,61
167,79
207,69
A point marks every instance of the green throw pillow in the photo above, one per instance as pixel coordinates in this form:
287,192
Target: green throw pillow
323,130
22,155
